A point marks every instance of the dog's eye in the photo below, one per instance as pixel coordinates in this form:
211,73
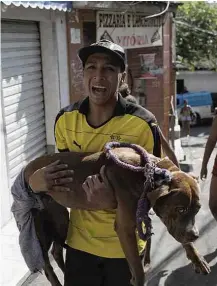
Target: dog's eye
181,210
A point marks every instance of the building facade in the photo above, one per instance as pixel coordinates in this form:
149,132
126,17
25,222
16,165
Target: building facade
148,43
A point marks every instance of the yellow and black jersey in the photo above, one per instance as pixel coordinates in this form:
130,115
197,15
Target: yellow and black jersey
93,231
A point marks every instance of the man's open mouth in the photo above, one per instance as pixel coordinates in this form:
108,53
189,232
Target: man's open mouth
97,88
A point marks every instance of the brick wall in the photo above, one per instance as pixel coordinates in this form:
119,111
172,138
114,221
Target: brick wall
168,77
153,88
75,66
75,20
158,91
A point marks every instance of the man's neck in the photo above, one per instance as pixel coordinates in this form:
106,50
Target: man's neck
98,114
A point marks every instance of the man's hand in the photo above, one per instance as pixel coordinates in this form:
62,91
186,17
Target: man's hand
203,172
97,192
53,177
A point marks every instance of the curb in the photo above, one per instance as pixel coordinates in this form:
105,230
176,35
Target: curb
27,278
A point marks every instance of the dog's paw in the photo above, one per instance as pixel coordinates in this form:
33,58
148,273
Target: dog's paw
138,281
146,267
201,266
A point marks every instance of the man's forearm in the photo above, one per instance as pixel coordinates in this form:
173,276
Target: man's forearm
208,151
72,200
167,149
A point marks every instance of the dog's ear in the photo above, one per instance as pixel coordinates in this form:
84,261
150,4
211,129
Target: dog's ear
166,163
196,178
154,195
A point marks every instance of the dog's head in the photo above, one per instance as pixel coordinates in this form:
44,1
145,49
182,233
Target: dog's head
177,205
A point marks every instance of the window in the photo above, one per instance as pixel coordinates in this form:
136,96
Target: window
89,33
180,86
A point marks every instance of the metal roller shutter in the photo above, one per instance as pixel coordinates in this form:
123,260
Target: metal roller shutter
22,93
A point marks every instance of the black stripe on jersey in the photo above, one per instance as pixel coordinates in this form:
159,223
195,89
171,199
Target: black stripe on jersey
64,150
69,108
157,140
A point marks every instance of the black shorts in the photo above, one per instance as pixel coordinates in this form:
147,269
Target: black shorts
84,269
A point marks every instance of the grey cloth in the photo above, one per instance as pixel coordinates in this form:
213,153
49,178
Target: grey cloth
24,201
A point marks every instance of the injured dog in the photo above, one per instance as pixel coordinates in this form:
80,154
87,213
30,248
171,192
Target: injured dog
139,181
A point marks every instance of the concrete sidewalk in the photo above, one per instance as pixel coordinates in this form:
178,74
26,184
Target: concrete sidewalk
13,266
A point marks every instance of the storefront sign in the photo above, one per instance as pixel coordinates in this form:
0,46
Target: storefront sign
129,30
149,69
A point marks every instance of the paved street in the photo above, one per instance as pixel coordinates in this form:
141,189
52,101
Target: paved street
170,266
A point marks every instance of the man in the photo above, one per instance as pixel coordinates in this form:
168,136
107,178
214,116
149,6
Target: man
94,255
210,145
186,117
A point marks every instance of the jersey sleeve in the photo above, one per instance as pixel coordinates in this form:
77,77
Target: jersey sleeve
152,142
59,133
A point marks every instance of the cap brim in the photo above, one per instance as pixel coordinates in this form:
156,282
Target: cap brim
85,52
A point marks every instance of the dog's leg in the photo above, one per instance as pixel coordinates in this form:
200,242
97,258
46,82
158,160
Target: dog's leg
125,222
49,272
42,227
57,252
147,259
198,261
126,233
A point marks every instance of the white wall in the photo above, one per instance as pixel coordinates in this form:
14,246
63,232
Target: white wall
5,212
199,80
55,70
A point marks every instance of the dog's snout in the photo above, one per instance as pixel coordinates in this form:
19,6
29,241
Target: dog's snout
192,234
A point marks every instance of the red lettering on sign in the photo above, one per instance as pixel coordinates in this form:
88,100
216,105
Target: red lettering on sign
132,41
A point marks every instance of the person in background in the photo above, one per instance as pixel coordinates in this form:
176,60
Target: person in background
187,115
94,256
126,93
210,145
185,90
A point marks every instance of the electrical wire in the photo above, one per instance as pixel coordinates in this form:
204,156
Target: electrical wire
159,14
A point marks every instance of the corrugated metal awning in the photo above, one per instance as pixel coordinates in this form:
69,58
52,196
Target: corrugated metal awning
54,5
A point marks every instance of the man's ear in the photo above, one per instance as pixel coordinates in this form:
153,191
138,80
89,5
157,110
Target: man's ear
123,78
154,195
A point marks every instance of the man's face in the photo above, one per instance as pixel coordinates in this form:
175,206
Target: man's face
102,78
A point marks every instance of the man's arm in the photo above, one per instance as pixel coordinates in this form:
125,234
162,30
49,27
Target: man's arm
167,149
211,142
101,198
78,201
55,179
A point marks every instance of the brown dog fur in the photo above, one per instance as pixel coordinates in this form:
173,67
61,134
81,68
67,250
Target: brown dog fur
176,204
